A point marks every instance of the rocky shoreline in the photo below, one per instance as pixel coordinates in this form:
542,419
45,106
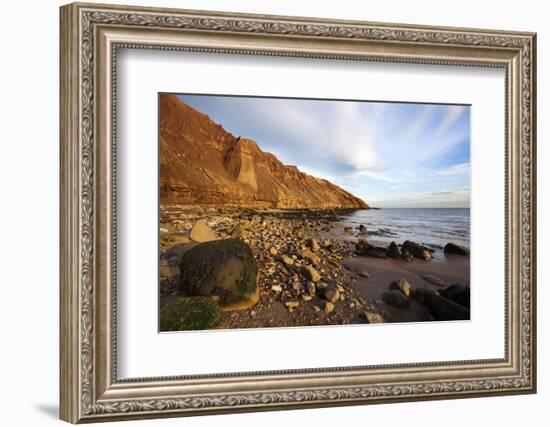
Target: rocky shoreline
303,277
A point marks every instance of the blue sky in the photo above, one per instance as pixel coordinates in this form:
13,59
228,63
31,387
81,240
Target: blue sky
389,154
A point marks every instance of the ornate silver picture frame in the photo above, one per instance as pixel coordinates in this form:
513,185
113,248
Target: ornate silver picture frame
91,36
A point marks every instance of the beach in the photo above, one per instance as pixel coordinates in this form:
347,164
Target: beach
327,266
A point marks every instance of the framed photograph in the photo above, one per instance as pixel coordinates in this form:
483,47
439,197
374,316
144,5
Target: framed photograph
266,212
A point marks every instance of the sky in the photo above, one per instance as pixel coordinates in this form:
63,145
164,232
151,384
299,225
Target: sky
388,154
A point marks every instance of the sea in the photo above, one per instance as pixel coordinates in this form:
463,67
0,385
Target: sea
433,227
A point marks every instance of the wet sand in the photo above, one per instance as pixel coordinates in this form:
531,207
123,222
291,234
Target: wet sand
449,268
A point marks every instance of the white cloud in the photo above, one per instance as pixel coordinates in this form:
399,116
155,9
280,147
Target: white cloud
451,117
344,135
459,169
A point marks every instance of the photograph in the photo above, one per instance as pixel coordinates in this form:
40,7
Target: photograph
293,212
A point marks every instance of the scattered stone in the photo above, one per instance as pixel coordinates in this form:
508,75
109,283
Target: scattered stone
453,248
273,251
310,273
328,307
316,308
307,298
407,256
395,298
292,304
241,232
313,245
403,286
224,268
276,288
364,274
348,230
340,289
332,294
433,280
371,317
174,238
310,256
200,232
457,293
287,260
327,243
311,289
394,251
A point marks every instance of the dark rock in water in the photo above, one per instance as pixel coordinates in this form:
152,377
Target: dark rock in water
403,286
457,293
406,256
420,293
395,298
453,248
377,252
418,251
445,309
362,229
192,313
394,251
224,269
361,247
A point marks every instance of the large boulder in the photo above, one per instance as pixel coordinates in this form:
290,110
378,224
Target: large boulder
224,269
453,248
192,313
445,309
418,251
395,298
457,293
200,232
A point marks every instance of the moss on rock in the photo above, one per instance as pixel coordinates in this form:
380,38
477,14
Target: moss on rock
224,269
191,314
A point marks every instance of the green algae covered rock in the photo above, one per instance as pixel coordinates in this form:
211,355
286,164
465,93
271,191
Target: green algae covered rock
191,314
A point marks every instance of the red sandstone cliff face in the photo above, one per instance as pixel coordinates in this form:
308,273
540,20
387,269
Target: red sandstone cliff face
202,164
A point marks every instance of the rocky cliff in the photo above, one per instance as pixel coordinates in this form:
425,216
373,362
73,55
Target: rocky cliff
202,164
